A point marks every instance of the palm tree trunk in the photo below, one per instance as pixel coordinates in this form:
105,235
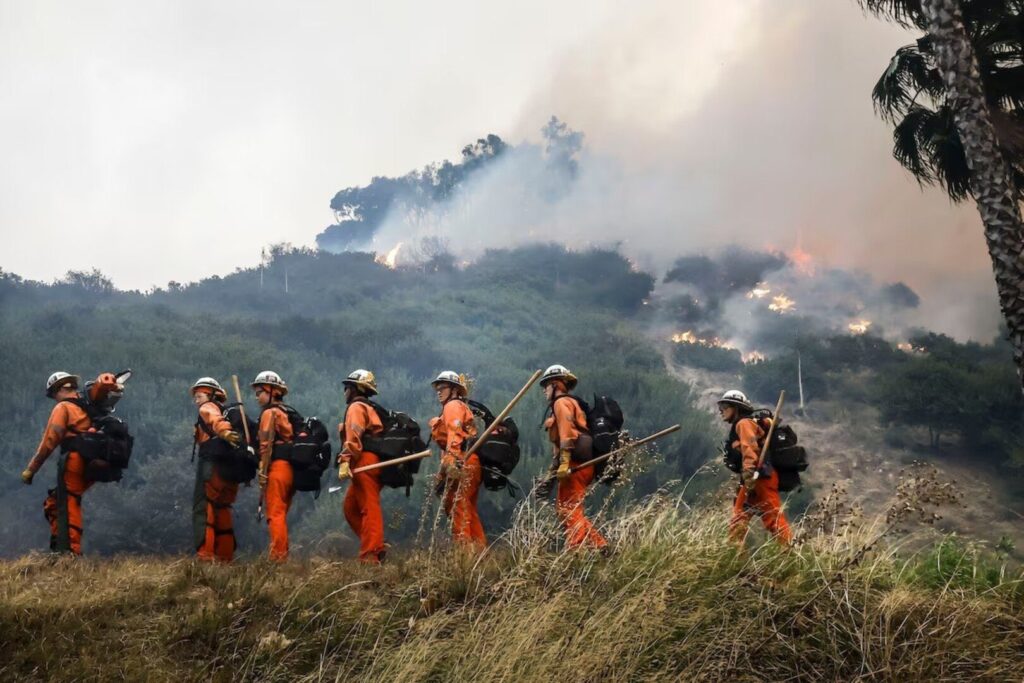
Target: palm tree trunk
994,190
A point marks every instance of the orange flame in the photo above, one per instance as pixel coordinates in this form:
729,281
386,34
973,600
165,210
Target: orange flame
390,259
752,357
859,326
689,337
803,261
759,292
781,304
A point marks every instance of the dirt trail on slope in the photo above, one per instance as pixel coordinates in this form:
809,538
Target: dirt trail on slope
853,453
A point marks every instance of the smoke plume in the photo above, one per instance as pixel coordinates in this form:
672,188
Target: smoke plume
777,149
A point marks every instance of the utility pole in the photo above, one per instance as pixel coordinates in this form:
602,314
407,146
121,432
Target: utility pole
263,260
800,380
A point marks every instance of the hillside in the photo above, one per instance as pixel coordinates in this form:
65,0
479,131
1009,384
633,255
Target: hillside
314,316
848,603
849,450
498,320
674,602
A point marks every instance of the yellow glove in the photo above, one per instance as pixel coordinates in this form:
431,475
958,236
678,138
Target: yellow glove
232,438
748,480
26,476
344,471
563,471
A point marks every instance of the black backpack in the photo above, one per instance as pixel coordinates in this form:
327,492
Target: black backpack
309,453
784,454
604,422
106,447
499,455
400,436
233,464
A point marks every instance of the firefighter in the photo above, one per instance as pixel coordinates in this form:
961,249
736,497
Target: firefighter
362,500
63,504
758,492
212,526
571,442
276,476
454,431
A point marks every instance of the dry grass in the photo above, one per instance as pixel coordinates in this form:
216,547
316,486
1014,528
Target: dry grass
675,601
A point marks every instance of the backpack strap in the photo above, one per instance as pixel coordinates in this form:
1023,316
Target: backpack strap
734,436
294,417
90,411
344,418
550,410
381,411
201,424
484,412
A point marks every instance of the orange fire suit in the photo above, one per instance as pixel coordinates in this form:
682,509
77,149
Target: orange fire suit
765,500
63,504
565,425
362,500
453,430
212,527
276,430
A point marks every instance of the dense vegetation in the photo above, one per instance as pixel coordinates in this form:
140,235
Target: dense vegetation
499,319
965,391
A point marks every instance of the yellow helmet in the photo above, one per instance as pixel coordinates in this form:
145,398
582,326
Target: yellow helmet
363,380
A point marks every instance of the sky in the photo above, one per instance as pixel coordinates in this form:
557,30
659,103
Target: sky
164,141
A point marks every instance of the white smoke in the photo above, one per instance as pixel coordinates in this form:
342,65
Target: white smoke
776,146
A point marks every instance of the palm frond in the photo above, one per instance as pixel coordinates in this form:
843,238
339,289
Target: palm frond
911,93
1005,87
906,138
1010,133
945,153
903,12
909,74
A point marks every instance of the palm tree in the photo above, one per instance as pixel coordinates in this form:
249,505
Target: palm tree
991,173
911,93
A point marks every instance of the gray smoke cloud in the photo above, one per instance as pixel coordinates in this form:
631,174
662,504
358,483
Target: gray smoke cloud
758,301
776,148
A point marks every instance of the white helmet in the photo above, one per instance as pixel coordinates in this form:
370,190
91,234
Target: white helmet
269,378
736,398
559,372
210,383
59,379
362,379
453,378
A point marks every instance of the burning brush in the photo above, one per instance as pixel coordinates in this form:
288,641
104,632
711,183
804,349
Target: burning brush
690,337
390,260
